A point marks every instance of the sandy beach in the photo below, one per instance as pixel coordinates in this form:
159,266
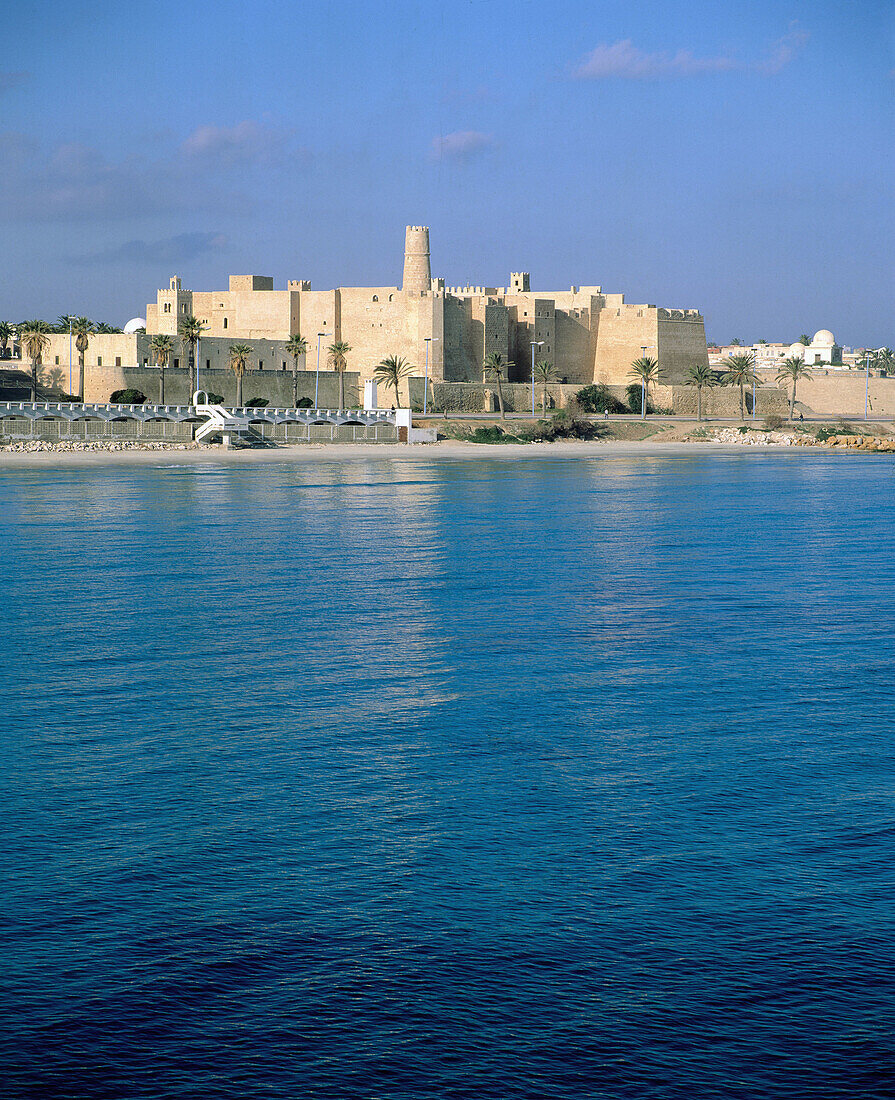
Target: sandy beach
399,452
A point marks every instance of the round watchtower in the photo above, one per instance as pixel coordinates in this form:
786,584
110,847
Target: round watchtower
417,271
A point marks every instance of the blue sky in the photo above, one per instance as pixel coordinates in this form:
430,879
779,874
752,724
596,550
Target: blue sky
737,158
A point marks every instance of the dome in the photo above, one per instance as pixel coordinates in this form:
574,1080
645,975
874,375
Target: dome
824,338
797,349
134,323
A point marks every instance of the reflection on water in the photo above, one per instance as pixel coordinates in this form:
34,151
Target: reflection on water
418,778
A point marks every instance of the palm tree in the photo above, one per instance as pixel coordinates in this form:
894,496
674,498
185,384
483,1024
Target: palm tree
883,359
161,349
35,341
338,356
792,370
804,339
495,366
645,371
296,346
544,372
104,328
391,370
62,323
239,357
740,373
702,377
6,334
189,329
81,328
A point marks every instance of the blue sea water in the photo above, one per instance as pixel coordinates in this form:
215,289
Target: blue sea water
446,779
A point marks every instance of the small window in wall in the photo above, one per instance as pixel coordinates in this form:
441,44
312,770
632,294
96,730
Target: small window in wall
260,364
183,308
284,366
99,360
167,307
208,364
225,322
176,363
375,297
57,360
145,362
391,297
117,360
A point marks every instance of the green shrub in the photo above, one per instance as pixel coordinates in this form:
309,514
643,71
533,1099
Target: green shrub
215,398
634,396
823,434
599,398
492,434
773,421
304,403
257,403
128,397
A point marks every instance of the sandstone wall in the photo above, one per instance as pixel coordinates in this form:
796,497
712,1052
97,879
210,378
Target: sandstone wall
276,386
681,346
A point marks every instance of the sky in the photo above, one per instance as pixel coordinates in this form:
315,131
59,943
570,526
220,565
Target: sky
736,158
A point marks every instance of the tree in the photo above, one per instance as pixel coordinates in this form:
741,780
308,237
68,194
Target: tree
161,349
105,329
239,357
762,341
804,339
740,372
792,370
6,334
883,359
736,342
81,329
338,356
702,377
63,323
391,370
646,371
35,341
495,366
545,373
296,346
189,329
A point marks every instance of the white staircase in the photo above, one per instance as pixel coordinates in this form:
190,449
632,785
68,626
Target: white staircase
222,422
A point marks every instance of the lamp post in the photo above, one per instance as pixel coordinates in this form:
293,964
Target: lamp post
866,384
643,348
534,344
427,340
320,335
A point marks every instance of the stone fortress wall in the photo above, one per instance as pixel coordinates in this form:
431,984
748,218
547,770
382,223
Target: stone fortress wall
586,334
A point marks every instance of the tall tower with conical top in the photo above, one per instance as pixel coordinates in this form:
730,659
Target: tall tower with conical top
417,272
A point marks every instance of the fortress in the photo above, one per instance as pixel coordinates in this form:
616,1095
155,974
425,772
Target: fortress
589,336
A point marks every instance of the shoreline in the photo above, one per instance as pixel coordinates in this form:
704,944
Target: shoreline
415,452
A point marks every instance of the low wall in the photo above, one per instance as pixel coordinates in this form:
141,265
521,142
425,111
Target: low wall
461,397
275,385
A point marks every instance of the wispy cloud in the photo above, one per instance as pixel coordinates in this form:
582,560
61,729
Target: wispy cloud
210,170
460,146
247,143
13,80
624,61
783,51
169,250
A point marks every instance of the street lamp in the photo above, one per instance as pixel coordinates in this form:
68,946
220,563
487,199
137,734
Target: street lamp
534,344
866,384
428,340
643,348
320,335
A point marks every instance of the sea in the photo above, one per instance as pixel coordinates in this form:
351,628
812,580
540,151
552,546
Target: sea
449,779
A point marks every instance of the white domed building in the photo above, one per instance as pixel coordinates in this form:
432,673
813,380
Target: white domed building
135,324
822,349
